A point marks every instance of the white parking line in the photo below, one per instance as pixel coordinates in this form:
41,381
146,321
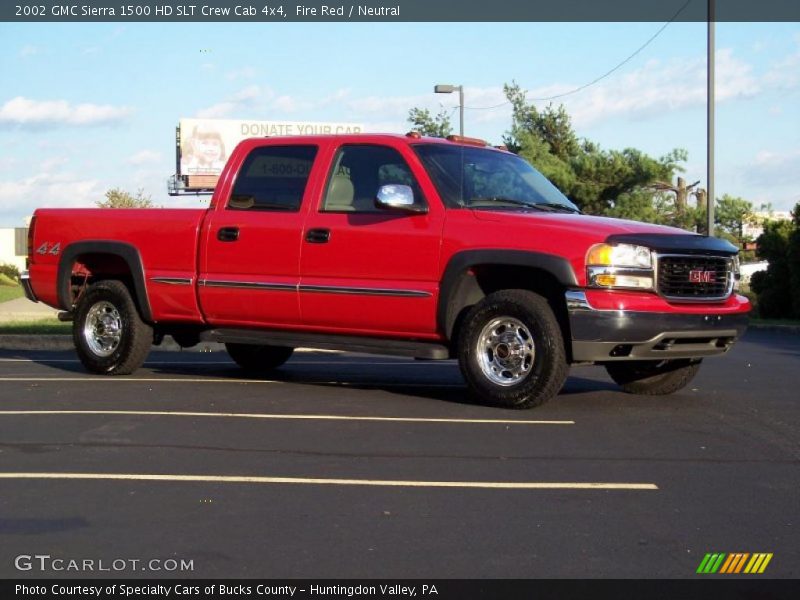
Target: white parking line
503,485
90,379
278,416
100,379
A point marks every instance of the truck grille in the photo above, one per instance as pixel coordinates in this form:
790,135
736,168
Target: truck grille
695,277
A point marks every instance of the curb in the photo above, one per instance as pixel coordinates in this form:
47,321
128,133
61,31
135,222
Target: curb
775,327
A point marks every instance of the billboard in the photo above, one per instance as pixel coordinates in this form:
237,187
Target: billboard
204,145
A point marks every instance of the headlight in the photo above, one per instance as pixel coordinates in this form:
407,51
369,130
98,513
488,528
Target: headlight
737,275
622,255
620,266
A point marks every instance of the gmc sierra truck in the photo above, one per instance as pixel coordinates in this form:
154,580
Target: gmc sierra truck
393,244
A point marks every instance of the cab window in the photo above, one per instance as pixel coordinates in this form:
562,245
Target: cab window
359,171
273,178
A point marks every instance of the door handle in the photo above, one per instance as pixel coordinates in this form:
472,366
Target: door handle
318,236
228,234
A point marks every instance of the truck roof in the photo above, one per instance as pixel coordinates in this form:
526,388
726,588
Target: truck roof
411,137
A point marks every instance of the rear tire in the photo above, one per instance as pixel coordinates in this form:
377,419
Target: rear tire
511,351
255,358
110,336
653,378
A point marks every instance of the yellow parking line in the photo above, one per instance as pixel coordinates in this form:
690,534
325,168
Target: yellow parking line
503,485
278,416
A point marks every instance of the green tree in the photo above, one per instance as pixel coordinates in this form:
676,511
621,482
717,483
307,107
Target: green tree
427,124
602,182
731,213
551,125
774,286
793,257
118,198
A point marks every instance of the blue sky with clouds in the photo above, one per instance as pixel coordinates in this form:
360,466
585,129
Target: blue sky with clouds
86,107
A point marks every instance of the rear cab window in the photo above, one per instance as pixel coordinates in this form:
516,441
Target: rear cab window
273,178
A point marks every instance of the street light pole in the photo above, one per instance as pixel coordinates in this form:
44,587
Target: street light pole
461,110
449,89
710,197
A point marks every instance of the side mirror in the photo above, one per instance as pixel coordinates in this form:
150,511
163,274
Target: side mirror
398,197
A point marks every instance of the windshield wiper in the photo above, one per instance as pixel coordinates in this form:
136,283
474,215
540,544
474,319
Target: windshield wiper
558,206
501,200
544,206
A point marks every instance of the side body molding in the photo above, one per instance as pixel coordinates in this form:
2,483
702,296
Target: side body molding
126,252
454,292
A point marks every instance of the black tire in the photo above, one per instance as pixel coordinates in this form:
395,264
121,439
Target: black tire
653,378
106,305
537,369
256,358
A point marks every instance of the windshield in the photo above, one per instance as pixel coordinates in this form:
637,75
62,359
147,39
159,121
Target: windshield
486,179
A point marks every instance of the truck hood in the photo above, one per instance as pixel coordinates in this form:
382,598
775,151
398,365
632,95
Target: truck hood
602,227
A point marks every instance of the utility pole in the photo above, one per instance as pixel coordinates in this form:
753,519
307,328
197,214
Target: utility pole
710,121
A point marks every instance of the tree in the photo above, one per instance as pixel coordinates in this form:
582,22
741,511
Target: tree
731,213
433,126
602,182
774,286
118,198
552,125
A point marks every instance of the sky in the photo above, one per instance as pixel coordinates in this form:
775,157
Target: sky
85,107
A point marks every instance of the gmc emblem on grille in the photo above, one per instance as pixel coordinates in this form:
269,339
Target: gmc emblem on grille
698,276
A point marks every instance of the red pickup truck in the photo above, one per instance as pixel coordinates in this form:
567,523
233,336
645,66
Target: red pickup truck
393,244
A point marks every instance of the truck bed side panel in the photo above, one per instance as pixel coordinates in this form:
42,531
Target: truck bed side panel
166,240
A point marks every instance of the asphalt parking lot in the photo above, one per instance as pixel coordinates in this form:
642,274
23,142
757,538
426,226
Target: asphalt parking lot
344,465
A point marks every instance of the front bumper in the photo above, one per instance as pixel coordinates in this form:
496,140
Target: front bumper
25,282
619,335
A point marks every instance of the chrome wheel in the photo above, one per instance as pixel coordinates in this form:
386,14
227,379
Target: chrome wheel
102,329
505,351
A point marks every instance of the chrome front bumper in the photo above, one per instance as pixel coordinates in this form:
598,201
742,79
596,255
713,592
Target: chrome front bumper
25,282
618,335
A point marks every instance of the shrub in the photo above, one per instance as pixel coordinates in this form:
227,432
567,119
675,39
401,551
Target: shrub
10,271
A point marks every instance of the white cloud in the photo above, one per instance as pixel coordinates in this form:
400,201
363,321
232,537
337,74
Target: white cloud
216,111
49,164
656,88
387,106
247,97
29,50
243,73
50,113
264,99
144,157
785,74
47,190
773,168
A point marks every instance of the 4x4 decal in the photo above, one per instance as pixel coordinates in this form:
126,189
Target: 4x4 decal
48,248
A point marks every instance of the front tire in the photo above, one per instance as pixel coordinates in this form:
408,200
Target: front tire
653,378
511,351
255,358
110,336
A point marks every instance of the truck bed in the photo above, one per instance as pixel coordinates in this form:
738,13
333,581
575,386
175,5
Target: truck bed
166,240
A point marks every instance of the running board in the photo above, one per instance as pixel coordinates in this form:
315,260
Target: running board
369,345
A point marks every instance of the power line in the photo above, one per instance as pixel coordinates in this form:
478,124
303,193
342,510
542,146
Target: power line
601,77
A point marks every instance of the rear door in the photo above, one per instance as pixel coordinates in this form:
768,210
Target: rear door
365,269
250,256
